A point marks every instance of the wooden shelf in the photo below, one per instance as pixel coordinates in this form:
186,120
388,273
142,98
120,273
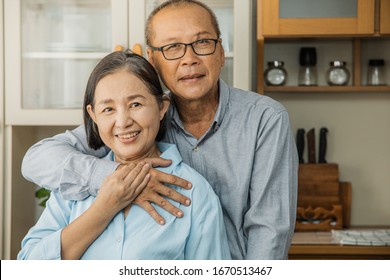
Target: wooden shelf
313,89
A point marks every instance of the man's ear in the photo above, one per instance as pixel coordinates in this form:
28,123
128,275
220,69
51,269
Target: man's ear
222,53
91,113
164,106
149,51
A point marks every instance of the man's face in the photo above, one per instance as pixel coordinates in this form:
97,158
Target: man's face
191,77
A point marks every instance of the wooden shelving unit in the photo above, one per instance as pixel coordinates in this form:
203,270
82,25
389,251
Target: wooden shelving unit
338,89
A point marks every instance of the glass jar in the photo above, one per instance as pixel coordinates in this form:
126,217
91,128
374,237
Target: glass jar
338,74
275,74
376,72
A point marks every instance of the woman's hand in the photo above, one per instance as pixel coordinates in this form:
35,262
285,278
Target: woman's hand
117,191
122,187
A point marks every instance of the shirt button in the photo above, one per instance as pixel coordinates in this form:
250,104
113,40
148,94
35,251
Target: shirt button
196,149
119,239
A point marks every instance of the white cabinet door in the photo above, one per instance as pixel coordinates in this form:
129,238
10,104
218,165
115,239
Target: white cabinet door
2,181
51,48
236,20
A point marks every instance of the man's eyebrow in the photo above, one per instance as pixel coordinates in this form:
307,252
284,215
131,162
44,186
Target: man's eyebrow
175,40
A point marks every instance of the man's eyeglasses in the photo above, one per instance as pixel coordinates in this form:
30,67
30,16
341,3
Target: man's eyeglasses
178,50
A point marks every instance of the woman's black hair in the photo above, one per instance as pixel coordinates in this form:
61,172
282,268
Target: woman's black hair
112,63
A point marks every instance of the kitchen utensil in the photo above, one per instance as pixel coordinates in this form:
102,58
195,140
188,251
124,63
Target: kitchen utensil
307,75
376,72
323,144
311,146
300,143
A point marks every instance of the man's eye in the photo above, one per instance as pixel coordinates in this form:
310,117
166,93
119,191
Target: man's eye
173,47
203,42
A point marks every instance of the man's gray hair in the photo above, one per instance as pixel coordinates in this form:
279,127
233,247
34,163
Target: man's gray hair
176,3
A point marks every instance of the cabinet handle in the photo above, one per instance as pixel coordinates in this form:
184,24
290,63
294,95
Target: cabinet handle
137,48
118,48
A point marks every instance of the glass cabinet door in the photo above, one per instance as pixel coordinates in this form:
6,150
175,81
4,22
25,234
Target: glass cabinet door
312,17
51,47
231,14
61,43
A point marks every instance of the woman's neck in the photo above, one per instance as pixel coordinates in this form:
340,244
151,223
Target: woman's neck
153,152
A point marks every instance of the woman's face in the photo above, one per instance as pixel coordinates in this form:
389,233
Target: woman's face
127,115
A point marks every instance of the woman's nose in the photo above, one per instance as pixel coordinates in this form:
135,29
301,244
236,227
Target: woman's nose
124,119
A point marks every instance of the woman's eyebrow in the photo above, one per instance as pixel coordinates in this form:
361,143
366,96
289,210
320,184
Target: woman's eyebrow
134,96
128,98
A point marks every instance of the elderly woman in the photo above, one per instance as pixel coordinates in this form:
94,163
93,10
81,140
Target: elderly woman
124,108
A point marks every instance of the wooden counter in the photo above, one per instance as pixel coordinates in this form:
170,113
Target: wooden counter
321,246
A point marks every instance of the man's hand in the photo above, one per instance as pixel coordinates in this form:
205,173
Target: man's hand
156,191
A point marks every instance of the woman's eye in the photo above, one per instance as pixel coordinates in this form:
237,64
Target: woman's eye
135,104
108,109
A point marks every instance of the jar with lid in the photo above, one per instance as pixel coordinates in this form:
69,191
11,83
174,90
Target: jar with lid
376,75
275,74
337,74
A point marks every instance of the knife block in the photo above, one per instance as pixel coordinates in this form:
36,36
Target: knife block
324,203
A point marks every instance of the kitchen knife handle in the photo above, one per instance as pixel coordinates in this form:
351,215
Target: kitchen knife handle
300,144
311,146
323,145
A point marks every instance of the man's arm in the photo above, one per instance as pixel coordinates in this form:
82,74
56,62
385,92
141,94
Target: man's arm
269,223
66,163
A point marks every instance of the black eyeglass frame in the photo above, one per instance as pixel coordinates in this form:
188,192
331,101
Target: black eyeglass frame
161,49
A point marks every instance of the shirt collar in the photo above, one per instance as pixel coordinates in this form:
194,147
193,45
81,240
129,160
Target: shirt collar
169,151
224,96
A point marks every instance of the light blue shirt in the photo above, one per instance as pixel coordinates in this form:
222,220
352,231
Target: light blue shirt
200,234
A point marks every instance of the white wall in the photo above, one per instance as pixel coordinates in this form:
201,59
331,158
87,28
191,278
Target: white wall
358,140
358,122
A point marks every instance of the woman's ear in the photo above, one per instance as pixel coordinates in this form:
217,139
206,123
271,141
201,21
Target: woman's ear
164,106
91,113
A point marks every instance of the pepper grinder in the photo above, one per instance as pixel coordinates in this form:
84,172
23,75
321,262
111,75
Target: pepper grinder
307,72
376,72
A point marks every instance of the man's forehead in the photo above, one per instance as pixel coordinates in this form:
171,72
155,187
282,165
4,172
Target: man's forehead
171,23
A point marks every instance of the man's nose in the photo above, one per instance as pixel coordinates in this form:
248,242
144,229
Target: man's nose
190,57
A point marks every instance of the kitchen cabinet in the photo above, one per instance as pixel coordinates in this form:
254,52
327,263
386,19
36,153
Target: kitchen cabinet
356,35
332,17
50,48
